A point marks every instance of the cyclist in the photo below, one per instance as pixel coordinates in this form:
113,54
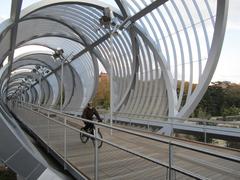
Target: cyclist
88,113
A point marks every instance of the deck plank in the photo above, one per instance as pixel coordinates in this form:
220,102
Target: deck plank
118,164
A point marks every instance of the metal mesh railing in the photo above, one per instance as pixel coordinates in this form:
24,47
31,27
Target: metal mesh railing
125,154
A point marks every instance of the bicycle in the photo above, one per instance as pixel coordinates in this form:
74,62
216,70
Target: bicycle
84,138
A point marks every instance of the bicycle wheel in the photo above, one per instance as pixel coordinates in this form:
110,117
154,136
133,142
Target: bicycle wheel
84,138
99,142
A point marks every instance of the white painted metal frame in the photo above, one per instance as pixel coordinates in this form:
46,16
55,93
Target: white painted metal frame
153,58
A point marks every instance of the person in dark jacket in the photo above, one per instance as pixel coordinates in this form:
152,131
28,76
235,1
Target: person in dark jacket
88,113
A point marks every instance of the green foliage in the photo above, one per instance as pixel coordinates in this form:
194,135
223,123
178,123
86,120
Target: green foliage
7,174
220,99
202,139
213,100
200,112
231,111
235,145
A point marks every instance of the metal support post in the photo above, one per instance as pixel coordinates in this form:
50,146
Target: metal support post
40,86
111,79
148,126
24,96
48,133
65,141
61,88
171,127
96,152
170,161
205,132
21,98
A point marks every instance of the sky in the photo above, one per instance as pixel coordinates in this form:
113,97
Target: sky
228,68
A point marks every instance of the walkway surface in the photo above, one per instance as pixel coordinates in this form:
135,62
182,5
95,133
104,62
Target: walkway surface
115,163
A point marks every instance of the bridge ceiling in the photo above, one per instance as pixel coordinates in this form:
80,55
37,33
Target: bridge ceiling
164,54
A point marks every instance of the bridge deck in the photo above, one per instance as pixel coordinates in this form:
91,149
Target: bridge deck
115,163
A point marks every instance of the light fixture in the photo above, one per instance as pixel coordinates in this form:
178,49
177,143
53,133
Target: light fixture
58,54
106,19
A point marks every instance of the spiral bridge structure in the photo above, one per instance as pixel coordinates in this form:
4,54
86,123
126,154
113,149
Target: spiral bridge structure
164,53
160,55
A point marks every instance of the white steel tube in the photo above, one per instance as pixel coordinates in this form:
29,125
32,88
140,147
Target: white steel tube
170,161
96,152
65,141
61,88
205,131
48,128
40,87
111,79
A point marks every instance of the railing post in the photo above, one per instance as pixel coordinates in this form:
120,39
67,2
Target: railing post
65,141
205,133
148,123
48,132
170,161
96,152
110,121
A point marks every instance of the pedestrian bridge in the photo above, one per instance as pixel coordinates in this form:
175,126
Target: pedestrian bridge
160,56
127,153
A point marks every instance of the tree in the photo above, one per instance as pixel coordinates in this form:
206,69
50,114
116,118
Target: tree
220,99
102,97
213,100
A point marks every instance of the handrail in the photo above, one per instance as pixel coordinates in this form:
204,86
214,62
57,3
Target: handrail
138,116
182,145
204,127
47,112
158,116
182,119
164,164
